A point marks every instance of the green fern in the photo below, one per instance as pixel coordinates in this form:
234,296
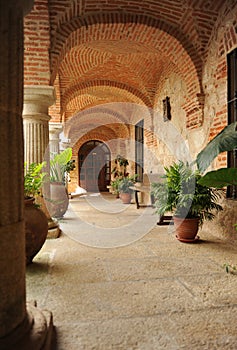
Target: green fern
181,194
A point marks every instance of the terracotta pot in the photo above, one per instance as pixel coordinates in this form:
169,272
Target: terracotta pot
126,198
186,229
59,199
36,229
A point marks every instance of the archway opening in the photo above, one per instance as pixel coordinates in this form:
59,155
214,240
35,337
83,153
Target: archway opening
94,166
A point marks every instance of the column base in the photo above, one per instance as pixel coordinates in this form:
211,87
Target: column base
53,229
36,332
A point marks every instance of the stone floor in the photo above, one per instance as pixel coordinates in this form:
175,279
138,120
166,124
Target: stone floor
116,280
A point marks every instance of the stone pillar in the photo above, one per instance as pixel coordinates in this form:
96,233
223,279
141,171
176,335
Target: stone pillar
37,100
54,130
17,322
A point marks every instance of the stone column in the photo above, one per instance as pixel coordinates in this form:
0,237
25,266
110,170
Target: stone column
12,259
17,322
54,130
37,100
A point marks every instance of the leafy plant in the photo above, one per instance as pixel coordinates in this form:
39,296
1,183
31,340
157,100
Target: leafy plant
181,193
226,140
125,184
70,166
60,165
33,179
115,185
120,170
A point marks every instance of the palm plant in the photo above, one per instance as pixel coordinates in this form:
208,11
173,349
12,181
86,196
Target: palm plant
226,140
125,183
181,193
60,165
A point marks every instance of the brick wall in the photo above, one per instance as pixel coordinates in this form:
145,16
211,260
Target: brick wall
37,44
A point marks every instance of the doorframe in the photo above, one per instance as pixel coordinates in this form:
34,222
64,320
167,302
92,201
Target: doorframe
107,153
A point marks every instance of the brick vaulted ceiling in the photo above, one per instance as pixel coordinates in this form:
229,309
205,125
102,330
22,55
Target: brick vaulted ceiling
121,50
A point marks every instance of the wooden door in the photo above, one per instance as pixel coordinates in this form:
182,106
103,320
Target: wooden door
94,166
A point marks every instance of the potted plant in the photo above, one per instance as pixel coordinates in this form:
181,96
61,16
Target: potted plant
190,202
118,173
120,169
125,190
115,186
36,222
60,166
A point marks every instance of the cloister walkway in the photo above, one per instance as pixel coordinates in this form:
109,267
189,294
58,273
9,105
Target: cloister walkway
116,280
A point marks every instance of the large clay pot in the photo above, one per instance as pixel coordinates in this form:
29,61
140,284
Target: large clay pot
186,229
36,229
59,199
126,197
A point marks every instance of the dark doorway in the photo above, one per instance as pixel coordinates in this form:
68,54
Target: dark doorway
232,113
94,166
139,150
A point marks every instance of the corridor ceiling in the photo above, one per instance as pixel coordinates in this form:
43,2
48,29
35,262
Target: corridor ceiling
122,50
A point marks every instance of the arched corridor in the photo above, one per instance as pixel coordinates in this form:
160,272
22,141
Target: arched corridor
76,71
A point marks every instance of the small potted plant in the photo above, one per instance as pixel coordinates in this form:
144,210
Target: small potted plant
118,172
125,189
190,202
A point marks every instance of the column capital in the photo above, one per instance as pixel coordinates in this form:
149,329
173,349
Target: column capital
37,99
55,129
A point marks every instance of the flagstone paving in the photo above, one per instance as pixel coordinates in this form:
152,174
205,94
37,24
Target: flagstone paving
138,289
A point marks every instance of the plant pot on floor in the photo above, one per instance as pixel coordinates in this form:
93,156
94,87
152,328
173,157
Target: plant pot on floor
36,229
126,198
59,200
186,229
181,194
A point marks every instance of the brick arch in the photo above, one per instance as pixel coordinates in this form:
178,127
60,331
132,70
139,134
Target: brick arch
88,66
156,35
107,133
61,42
85,121
110,113
127,93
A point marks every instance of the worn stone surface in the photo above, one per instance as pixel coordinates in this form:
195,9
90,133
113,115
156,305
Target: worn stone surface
155,293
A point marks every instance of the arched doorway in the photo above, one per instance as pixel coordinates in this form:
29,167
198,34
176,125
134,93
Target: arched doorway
94,166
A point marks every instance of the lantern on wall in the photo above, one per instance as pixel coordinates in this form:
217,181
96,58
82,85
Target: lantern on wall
166,109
